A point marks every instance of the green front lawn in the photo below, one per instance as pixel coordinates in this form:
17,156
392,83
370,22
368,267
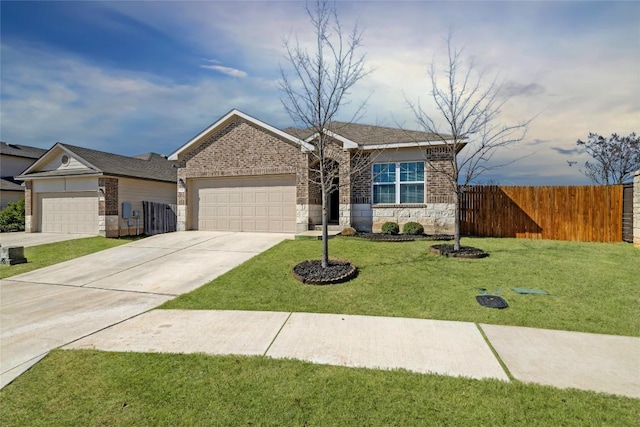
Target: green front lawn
593,287
89,388
54,253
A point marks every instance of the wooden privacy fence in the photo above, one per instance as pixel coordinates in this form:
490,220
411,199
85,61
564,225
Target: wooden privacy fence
580,213
627,212
159,218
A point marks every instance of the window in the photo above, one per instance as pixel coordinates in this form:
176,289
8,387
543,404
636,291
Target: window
397,183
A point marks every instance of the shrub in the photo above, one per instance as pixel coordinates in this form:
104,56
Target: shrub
349,232
390,228
413,229
12,217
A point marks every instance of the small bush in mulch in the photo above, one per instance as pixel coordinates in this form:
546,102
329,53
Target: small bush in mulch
312,273
390,228
464,252
413,228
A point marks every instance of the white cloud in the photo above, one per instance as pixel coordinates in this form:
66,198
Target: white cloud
121,111
575,80
229,71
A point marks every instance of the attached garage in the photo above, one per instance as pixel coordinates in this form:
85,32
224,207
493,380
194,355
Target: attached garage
78,190
68,212
254,203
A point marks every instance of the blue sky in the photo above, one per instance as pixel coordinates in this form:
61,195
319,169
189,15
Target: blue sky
131,77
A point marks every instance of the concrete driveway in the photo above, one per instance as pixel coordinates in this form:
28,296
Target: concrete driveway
53,306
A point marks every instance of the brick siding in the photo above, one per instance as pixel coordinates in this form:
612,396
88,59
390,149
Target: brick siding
108,205
242,149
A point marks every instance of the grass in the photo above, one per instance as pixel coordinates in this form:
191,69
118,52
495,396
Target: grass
92,388
54,253
593,287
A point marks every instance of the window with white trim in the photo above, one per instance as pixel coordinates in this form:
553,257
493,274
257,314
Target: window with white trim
398,183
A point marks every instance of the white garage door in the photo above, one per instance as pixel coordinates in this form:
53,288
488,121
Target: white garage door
262,204
69,212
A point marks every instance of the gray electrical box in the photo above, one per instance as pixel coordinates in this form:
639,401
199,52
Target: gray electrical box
126,210
10,255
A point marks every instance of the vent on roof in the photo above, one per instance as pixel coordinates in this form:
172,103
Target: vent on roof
64,160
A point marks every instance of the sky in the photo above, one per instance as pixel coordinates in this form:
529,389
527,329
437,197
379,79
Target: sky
131,77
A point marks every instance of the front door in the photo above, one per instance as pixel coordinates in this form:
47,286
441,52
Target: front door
334,204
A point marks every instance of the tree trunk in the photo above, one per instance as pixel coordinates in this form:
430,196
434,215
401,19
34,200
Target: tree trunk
325,232
456,229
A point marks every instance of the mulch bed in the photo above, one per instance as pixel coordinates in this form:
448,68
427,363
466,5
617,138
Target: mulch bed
464,252
312,273
379,237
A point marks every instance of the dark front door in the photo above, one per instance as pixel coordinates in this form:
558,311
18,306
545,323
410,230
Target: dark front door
334,204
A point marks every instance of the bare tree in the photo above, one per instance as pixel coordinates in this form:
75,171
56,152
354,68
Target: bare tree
319,85
470,105
614,158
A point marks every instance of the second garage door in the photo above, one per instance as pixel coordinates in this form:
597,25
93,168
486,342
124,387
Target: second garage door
261,204
69,212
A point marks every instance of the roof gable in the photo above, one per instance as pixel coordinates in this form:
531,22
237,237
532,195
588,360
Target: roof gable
60,159
219,124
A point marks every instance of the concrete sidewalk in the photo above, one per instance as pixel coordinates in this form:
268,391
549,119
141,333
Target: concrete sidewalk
20,238
601,363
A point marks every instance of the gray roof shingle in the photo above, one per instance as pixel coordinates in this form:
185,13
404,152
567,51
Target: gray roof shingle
152,166
145,166
371,135
7,184
21,150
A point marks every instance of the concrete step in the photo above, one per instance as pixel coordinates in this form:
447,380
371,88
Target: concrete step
330,227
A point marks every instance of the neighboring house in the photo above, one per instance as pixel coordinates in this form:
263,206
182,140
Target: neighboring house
77,190
14,159
241,174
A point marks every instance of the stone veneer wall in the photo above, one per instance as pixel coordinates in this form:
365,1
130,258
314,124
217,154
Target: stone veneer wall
436,218
636,209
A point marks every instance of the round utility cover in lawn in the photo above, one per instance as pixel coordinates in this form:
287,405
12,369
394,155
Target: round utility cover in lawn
491,301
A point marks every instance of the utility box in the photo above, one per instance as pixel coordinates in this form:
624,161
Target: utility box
126,210
11,255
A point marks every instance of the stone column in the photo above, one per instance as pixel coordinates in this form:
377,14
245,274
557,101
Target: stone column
181,221
29,223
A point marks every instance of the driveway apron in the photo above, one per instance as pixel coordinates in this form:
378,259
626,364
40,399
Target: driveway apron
53,306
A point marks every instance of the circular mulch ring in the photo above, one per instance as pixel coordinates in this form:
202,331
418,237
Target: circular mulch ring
464,252
312,273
